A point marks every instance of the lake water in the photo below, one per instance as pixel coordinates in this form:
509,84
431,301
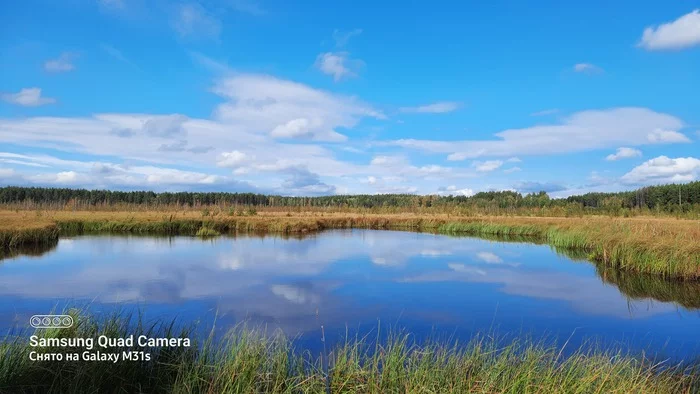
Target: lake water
353,280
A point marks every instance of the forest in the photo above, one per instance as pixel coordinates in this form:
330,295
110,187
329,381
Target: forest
673,198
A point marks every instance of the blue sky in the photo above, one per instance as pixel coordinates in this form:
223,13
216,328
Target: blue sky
309,98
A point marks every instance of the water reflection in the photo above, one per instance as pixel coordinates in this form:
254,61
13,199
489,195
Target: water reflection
27,250
351,278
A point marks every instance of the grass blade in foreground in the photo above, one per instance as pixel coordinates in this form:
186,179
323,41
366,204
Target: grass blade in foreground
249,361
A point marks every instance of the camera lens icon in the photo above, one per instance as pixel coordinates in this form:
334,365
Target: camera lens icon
51,321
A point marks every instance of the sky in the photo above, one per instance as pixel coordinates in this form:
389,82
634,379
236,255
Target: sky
349,97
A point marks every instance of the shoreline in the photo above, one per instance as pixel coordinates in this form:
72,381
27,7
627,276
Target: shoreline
666,247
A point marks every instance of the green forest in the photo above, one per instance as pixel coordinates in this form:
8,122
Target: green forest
672,198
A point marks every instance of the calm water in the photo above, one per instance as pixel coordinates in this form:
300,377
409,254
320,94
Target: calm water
431,285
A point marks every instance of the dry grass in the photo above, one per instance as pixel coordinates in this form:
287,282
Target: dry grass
664,246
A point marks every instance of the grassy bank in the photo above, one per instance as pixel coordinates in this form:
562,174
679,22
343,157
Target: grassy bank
665,247
248,361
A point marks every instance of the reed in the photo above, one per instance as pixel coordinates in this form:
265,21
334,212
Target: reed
664,247
254,361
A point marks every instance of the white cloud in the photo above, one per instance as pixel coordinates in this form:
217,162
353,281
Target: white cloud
338,64
513,160
8,173
624,153
434,108
288,109
27,97
453,190
253,107
666,136
512,170
663,169
682,33
587,68
489,257
191,19
487,166
383,160
166,126
302,128
63,63
341,38
232,159
582,131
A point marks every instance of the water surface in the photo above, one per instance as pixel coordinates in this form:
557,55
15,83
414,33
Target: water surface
353,280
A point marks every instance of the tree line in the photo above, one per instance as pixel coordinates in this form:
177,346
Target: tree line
666,198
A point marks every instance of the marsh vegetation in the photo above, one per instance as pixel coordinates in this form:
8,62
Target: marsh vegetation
247,360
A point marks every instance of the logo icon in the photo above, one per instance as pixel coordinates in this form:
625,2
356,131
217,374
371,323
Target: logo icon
51,321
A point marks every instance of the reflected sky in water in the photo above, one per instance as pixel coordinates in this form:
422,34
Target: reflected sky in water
349,280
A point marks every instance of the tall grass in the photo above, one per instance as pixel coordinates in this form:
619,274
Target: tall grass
665,247
250,361
651,248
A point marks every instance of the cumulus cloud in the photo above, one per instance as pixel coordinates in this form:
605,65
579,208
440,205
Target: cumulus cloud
582,131
624,153
232,159
512,170
112,175
434,108
288,109
253,107
453,190
63,63
338,64
681,33
27,97
302,128
383,160
663,169
587,68
666,136
487,166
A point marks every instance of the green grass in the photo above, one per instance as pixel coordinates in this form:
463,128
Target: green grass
12,239
206,232
617,246
250,361
668,248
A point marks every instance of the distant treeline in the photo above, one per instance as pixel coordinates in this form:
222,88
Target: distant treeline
666,198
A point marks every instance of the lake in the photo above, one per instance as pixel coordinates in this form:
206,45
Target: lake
353,281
